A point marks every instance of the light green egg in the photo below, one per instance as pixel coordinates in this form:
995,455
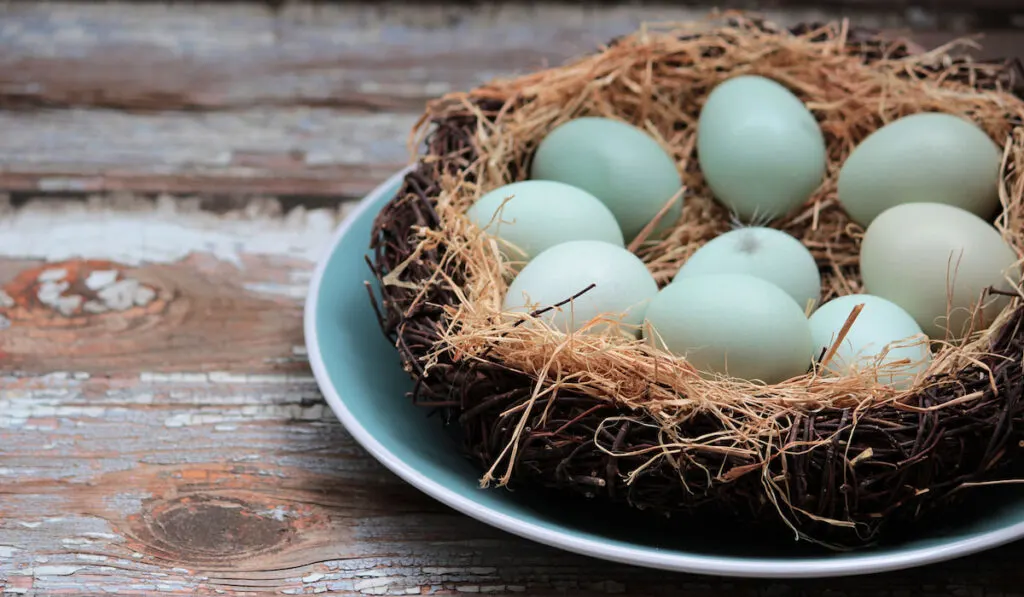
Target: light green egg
732,324
532,216
930,157
760,149
622,287
619,164
926,257
766,253
883,338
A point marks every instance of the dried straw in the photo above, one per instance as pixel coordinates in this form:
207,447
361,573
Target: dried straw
834,458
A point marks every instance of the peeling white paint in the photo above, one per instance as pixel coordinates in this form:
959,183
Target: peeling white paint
48,292
53,570
291,291
8,551
365,586
164,234
101,278
224,377
89,557
120,295
313,577
5,300
52,275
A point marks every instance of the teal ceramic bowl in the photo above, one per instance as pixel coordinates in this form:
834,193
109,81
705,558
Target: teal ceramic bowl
359,373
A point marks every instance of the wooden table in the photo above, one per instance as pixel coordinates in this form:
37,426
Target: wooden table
170,174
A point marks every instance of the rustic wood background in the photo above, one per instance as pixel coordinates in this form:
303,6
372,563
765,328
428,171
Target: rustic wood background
168,176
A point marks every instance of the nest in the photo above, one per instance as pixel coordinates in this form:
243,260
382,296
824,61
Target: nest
834,460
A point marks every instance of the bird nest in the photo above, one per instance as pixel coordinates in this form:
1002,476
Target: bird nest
836,459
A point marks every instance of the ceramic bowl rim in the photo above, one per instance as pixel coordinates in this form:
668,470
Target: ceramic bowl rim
829,566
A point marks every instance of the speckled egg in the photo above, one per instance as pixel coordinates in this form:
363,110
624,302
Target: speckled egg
616,162
622,287
532,216
760,149
731,324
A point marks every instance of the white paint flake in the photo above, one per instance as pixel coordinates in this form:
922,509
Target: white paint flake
50,570
8,551
50,291
94,307
101,279
52,275
120,295
5,300
158,234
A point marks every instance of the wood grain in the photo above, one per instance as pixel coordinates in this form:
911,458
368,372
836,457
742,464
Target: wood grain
154,285
160,431
193,454
312,100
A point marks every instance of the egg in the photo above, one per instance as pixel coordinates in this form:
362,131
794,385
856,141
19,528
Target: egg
919,255
760,149
930,157
622,286
766,253
534,215
733,324
883,338
619,164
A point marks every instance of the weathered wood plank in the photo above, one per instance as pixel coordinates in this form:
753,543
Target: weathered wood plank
198,484
296,151
195,456
310,100
382,56
155,285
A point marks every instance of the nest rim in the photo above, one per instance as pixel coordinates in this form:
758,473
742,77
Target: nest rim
458,383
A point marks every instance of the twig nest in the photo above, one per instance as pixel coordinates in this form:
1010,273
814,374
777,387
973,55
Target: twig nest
541,369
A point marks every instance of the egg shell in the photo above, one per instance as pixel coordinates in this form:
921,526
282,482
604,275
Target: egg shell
881,327
534,215
616,162
731,324
760,149
765,253
918,255
623,286
929,157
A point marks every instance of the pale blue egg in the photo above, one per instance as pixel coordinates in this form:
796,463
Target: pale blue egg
766,253
619,164
883,338
622,286
930,157
760,149
532,216
733,324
